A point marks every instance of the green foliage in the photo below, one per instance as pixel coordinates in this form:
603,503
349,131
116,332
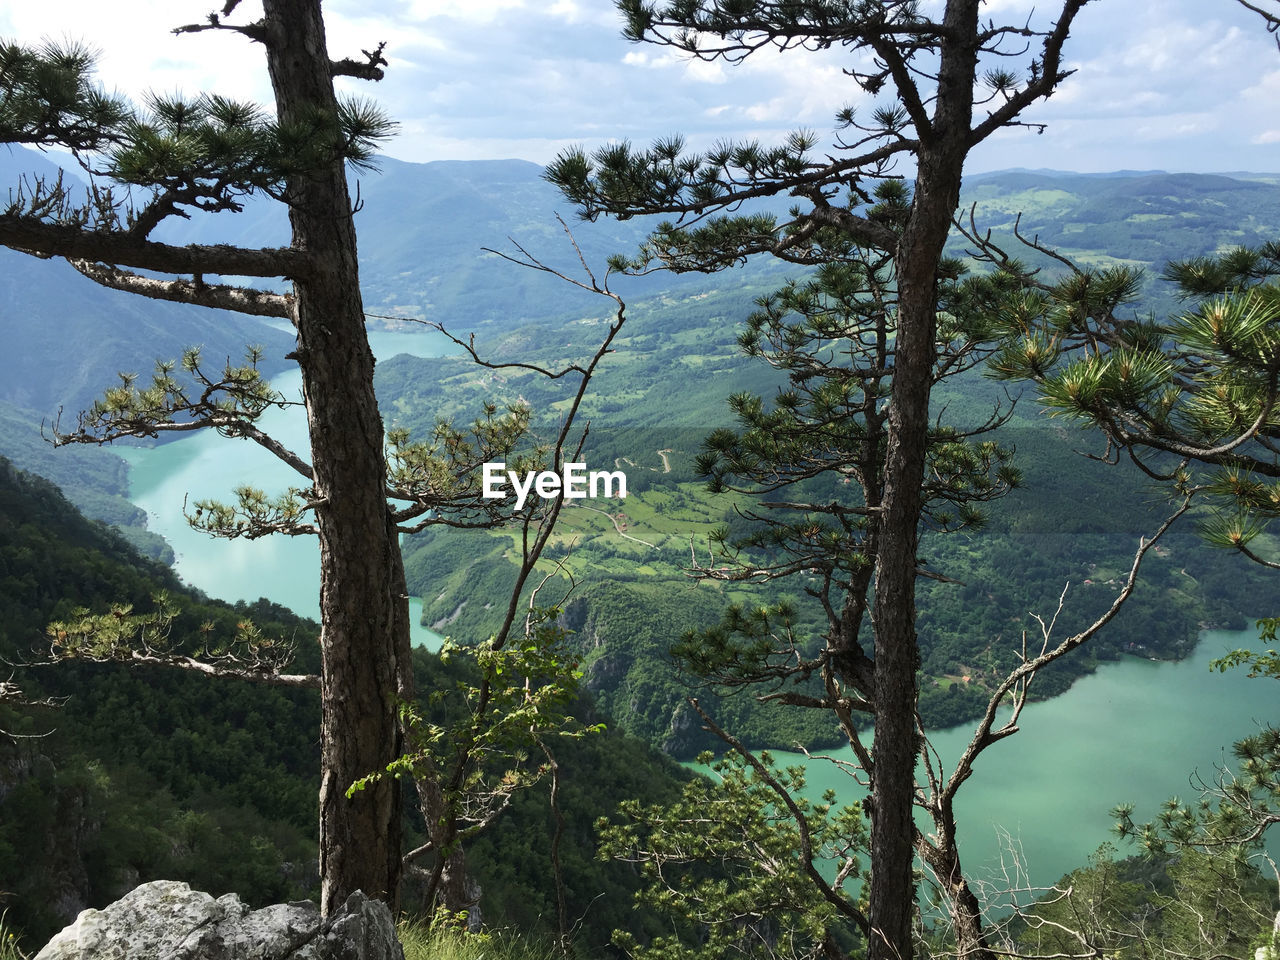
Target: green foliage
1234,813
152,773
123,636
1221,905
1197,903
1094,906
202,154
511,859
1067,521
239,392
446,941
520,699
141,773
10,943
1192,398
626,633
47,97
472,746
445,471
1262,663
733,862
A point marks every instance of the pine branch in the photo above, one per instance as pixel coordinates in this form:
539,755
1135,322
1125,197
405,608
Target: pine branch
226,667
244,300
45,240
369,69
122,636
1046,74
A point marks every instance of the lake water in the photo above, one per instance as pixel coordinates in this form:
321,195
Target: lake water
1133,731
204,465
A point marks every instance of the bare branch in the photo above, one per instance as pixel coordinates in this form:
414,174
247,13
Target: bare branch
984,735
245,300
256,31
223,668
368,69
1047,75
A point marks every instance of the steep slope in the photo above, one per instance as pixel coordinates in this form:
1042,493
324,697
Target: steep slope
147,774
662,391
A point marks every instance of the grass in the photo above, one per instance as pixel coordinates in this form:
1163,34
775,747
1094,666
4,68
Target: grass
422,941
9,949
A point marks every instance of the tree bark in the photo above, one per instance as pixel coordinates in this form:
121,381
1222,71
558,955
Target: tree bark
360,638
44,240
943,147
943,858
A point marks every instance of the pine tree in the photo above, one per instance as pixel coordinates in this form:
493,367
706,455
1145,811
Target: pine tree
945,84
208,154
358,490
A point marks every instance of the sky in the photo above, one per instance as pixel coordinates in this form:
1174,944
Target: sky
1193,87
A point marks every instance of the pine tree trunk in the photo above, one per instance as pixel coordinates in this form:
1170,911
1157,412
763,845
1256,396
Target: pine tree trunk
895,748
359,837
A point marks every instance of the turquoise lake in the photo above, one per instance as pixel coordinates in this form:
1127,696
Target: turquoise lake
204,465
1135,730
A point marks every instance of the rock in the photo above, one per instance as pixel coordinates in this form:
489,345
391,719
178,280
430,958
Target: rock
167,920
684,734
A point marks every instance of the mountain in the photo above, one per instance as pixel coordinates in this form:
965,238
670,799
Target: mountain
160,773
142,773
93,478
662,392
1131,217
66,338
424,228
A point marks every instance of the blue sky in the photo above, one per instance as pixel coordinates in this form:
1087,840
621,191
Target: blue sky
1190,88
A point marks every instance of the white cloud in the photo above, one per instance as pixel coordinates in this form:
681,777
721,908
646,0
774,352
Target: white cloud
1183,90
584,11
1265,90
138,51
991,8
705,71
771,111
1175,126
474,11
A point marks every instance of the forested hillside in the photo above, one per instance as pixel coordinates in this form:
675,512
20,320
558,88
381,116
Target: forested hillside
1074,520
138,773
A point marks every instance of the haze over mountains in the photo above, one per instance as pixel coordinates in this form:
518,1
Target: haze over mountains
423,233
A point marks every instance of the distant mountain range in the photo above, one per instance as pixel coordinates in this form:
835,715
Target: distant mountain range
423,230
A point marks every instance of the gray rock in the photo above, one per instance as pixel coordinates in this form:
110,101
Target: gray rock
167,920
